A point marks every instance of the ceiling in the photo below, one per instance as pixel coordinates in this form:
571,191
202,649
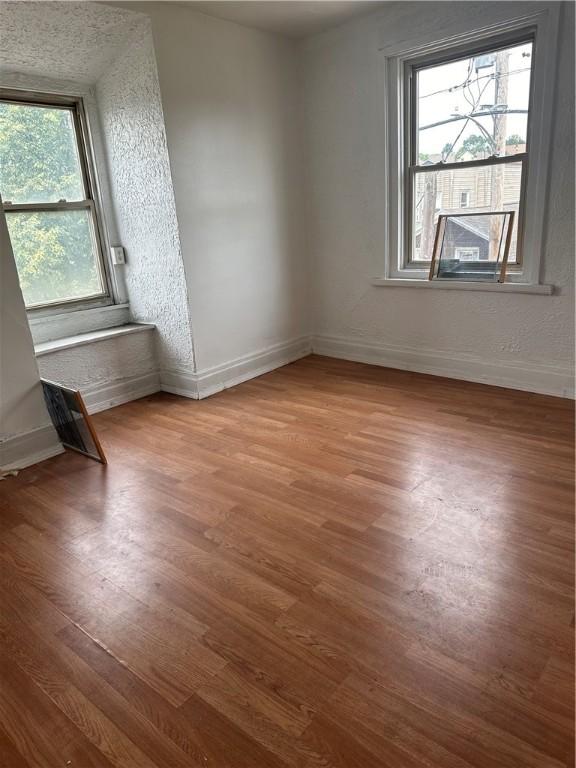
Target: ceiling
295,19
78,40
69,40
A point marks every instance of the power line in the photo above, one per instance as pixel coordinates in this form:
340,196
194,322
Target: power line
474,104
469,82
490,112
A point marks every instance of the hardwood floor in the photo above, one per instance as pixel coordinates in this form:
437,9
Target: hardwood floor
334,565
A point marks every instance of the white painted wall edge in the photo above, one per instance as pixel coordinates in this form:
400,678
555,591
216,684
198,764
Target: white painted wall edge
30,448
212,380
456,285
22,451
58,325
110,394
92,337
526,376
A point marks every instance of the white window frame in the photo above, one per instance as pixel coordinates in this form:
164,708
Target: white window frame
75,104
412,167
542,26
465,196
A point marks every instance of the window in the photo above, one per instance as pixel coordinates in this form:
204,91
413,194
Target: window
426,131
48,199
467,125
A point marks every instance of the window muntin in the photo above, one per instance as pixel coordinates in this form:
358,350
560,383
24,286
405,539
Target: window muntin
50,211
467,129
438,190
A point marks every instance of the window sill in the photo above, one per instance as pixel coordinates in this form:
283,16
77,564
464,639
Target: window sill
453,285
69,342
62,325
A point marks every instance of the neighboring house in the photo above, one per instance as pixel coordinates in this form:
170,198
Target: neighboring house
467,239
451,191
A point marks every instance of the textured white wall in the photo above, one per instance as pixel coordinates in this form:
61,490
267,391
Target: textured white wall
231,102
345,151
103,37
143,199
103,363
72,40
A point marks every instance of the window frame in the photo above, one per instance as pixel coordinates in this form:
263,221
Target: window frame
91,201
411,165
542,26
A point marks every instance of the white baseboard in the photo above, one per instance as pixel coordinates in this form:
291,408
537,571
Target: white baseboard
22,451
527,376
178,381
107,395
212,380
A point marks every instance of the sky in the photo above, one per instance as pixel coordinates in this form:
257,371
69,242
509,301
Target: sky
434,106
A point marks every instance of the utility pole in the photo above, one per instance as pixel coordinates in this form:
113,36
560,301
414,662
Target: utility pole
428,211
499,135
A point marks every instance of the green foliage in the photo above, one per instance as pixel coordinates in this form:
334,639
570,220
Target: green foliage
447,151
38,161
476,145
54,255
54,250
514,140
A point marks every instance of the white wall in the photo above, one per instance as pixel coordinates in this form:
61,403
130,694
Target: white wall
518,340
224,249
132,124
66,48
25,427
269,221
231,100
107,372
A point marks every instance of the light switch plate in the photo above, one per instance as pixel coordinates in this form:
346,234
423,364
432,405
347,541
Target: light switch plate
118,255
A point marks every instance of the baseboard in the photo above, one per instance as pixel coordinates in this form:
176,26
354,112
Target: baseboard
527,376
179,381
108,395
22,451
212,380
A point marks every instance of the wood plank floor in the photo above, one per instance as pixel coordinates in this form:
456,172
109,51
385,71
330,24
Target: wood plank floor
334,565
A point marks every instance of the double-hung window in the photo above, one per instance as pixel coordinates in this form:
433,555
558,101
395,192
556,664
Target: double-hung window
467,145
468,124
48,198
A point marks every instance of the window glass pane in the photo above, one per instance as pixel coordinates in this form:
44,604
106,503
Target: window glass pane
491,187
471,247
474,107
38,155
55,254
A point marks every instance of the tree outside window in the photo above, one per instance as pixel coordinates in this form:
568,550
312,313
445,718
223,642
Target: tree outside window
49,211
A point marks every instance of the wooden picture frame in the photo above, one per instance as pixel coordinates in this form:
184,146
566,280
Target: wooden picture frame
72,421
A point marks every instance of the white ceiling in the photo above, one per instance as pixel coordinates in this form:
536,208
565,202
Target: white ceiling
296,18
76,41
79,40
